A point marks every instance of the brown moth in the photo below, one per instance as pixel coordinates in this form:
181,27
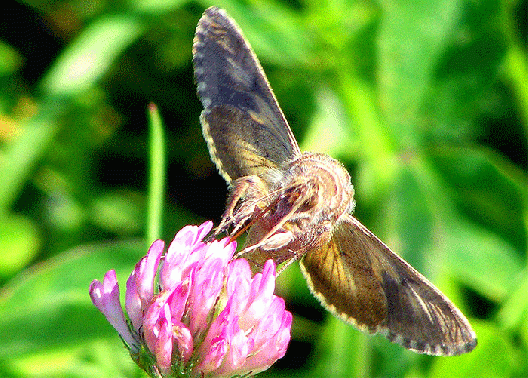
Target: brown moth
298,206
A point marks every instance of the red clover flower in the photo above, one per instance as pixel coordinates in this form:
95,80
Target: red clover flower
195,312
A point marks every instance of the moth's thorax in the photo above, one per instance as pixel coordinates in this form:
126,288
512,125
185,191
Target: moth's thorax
321,182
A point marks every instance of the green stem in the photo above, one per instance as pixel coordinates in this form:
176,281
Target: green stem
157,168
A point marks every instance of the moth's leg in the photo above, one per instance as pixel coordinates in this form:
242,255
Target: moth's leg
284,265
285,246
268,245
247,198
281,229
279,235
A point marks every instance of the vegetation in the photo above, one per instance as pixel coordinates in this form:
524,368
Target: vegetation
425,102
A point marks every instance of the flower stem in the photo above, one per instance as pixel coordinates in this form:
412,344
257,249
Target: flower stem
157,168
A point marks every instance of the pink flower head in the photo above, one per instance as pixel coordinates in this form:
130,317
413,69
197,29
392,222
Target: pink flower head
249,334
195,311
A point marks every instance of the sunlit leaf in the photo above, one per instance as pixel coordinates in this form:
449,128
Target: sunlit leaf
91,55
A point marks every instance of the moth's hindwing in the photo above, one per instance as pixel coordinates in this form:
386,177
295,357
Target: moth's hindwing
243,125
362,281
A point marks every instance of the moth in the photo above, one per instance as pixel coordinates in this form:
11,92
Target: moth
298,205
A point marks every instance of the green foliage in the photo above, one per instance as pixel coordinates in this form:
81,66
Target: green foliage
426,102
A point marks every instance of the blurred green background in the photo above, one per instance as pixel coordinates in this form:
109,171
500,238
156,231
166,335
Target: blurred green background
425,102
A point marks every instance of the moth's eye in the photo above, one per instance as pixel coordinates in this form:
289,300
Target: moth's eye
311,202
292,194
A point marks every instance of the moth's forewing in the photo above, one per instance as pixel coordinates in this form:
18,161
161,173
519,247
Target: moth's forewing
243,125
362,281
